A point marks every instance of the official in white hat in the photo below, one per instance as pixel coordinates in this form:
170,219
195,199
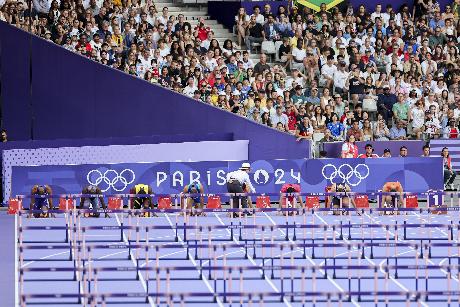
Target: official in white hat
238,182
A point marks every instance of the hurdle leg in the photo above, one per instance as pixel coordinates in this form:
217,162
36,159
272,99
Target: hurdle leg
230,279
281,265
241,287
314,285
376,286
302,285
147,268
292,272
168,287
157,285
386,285
240,206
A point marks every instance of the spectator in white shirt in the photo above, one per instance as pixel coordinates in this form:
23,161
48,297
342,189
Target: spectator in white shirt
279,117
340,78
190,89
239,182
259,17
327,72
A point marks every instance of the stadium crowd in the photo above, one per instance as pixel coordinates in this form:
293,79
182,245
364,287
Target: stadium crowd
391,73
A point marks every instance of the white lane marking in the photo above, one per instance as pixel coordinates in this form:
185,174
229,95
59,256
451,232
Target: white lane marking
45,257
141,277
314,263
161,257
268,280
208,285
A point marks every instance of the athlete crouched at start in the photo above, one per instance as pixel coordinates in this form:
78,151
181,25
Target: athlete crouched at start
195,201
93,202
140,202
395,200
340,200
39,201
290,201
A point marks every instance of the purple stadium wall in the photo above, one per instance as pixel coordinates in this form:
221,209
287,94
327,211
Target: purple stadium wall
71,97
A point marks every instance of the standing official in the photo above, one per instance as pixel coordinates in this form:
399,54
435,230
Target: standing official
239,182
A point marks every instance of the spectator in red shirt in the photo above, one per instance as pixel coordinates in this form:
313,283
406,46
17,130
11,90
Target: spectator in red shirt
451,131
369,152
291,113
201,31
83,42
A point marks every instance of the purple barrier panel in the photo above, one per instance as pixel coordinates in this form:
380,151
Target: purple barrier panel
78,98
15,81
154,139
313,175
249,6
414,148
225,11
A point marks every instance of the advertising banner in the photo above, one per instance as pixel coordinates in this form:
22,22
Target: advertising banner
267,176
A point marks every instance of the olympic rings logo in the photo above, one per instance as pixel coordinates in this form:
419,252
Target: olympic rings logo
111,179
346,173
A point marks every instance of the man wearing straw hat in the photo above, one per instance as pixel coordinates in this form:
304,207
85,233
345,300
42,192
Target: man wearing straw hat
239,182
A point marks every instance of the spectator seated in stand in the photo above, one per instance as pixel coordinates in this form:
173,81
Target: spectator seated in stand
405,63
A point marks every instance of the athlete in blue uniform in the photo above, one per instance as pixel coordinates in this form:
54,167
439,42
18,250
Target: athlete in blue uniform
93,202
194,201
39,201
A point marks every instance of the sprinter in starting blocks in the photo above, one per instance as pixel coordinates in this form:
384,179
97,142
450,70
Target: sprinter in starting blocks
39,200
93,202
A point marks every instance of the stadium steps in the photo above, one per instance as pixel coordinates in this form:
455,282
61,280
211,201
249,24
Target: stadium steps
192,13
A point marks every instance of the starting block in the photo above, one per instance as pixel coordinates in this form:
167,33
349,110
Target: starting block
436,201
164,202
14,205
263,202
66,204
287,203
411,201
312,202
114,203
214,202
362,201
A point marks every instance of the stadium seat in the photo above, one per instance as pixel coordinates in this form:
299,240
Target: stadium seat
14,205
318,136
277,48
115,203
214,202
254,46
66,204
268,47
263,202
164,202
